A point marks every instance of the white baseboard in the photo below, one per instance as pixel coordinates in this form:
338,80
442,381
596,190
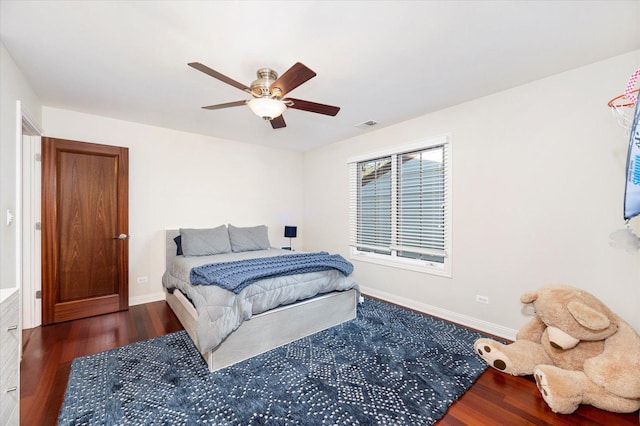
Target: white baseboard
146,298
484,326
465,320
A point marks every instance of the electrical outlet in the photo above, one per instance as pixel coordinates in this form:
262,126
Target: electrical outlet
482,299
142,280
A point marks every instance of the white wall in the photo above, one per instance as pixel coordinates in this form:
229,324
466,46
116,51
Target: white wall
538,177
13,87
537,190
179,179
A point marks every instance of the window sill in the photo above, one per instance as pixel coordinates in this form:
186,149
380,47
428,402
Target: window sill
400,263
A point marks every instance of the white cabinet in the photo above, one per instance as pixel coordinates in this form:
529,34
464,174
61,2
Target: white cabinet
9,358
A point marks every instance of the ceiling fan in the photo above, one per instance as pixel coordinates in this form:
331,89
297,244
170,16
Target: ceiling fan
268,93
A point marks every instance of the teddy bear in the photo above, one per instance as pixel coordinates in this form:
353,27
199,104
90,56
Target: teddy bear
578,351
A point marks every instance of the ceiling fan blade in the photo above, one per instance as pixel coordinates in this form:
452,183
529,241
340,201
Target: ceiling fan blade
313,107
278,122
227,105
215,74
292,78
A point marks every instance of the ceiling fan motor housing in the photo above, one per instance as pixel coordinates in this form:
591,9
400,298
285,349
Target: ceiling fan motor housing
260,88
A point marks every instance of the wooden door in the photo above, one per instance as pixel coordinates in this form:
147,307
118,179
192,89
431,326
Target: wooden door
85,248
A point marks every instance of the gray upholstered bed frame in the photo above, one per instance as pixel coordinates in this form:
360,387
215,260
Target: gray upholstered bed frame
267,330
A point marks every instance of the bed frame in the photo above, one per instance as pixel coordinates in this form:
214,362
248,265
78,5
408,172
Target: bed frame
267,330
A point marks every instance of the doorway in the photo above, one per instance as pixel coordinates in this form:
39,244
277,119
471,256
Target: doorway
85,247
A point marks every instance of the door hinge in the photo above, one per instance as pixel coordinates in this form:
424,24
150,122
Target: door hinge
39,294
38,226
38,156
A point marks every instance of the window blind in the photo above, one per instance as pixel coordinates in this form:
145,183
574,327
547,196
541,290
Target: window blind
398,204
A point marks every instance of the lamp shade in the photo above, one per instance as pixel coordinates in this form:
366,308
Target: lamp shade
267,108
290,231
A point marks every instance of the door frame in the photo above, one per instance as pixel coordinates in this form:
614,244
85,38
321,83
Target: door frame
28,186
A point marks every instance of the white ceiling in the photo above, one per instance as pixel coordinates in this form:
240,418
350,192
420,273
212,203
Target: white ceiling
377,60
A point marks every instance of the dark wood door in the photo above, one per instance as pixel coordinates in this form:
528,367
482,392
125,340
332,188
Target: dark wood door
85,247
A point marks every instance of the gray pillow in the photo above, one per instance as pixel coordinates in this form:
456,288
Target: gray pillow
249,239
203,242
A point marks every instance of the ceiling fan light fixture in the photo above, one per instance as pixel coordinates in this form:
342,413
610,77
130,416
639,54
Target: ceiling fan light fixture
267,108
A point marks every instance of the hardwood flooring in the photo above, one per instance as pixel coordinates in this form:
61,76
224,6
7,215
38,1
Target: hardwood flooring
495,399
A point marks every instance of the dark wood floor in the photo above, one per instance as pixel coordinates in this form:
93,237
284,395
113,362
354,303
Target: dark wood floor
495,399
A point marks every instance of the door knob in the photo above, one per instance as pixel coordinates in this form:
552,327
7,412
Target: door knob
121,237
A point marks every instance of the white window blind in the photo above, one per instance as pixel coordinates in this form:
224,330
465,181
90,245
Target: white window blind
399,206
371,181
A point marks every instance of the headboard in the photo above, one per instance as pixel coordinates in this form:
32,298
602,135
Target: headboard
170,245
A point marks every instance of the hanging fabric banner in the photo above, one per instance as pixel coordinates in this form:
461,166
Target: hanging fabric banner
632,186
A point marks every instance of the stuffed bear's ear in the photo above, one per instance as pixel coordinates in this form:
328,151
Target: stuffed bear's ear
529,297
587,316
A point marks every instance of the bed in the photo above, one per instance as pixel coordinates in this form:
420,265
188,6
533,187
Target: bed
328,298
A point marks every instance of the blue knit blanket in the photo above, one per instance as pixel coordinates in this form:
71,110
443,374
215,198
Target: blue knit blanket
237,275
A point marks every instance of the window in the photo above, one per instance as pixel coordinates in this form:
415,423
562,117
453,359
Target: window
399,207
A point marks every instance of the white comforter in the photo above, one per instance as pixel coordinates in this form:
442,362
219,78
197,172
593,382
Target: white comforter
222,311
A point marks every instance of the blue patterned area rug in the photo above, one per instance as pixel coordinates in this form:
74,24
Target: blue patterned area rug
389,366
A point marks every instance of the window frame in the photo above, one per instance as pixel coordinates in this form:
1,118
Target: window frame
392,260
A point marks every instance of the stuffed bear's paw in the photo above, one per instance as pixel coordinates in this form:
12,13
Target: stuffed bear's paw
491,351
562,394
543,385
